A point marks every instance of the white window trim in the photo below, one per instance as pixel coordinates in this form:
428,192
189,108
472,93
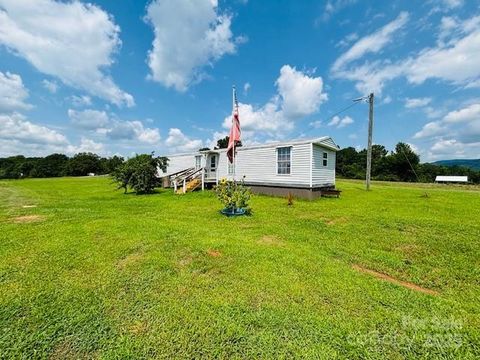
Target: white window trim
197,157
276,159
229,166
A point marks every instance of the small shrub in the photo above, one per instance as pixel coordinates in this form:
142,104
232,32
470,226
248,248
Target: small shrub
290,199
233,195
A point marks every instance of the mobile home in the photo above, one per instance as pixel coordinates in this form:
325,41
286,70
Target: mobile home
301,167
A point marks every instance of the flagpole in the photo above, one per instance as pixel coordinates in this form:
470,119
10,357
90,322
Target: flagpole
233,124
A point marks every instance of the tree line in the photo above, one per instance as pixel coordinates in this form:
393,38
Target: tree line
55,165
401,164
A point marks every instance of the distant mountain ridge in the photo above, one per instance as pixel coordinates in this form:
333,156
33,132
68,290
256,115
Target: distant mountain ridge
473,164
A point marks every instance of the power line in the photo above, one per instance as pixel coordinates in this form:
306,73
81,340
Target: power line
307,130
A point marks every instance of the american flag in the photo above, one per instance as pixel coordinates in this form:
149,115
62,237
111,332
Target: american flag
235,132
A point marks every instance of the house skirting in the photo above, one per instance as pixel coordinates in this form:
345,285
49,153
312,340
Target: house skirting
297,192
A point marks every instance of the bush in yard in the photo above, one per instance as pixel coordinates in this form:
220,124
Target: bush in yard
233,195
140,173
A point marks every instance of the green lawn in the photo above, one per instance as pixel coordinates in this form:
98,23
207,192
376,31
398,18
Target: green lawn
99,274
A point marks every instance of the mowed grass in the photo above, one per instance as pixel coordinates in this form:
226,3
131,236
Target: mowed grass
87,272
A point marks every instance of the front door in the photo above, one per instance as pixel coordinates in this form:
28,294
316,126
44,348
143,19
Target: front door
212,166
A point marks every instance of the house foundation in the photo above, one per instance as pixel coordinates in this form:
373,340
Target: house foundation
283,191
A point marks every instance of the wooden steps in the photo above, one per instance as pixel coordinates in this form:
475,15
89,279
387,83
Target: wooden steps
190,186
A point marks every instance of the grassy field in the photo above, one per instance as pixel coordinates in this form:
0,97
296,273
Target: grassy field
87,272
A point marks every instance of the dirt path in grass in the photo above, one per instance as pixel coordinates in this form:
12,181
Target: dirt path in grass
27,219
392,280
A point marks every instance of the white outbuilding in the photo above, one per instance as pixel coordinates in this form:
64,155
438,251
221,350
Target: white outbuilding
451,179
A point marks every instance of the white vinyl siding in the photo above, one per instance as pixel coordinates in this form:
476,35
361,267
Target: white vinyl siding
178,163
329,142
259,165
323,175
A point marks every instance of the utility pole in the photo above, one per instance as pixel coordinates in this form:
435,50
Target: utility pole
369,147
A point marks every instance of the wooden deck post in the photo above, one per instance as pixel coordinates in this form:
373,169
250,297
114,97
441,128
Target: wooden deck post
175,185
184,186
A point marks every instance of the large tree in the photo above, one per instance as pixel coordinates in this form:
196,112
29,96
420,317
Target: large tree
404,162
84,163
53,165
109,165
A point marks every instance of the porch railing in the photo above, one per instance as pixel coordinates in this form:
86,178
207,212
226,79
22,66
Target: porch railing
181,178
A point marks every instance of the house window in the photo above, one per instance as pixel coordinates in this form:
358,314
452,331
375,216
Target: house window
198,162
213,162
230,168
325,159
283,160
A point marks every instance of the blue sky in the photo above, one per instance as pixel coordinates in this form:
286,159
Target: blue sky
119,77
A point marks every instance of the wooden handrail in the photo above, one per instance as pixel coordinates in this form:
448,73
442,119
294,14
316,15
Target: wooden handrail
186,175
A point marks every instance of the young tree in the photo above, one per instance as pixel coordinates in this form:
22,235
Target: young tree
140,173
404,162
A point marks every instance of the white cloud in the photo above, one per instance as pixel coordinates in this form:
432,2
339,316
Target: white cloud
467,114
456,135
347,40
211,143
448,25
18,135
372,43
299,95
387,99
411,103
178,141
469,119
188,36
79,101
455,62
334,6
51,86
451,4
17,127
12,93
430,129
72,41
112,127
268,119
339,122
316,124
447,146
452,148
246,88
88,119
133,130
87,145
